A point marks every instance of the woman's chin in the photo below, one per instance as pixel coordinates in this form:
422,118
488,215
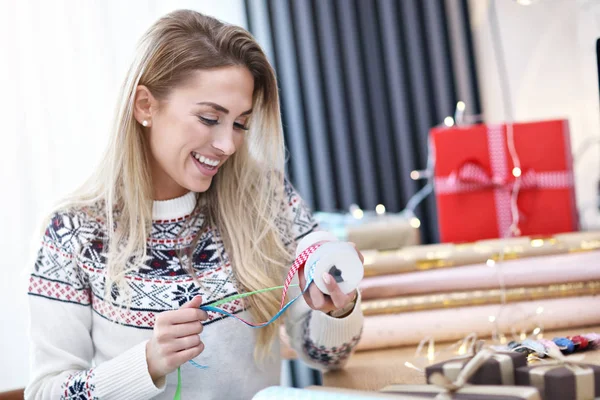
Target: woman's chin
199,186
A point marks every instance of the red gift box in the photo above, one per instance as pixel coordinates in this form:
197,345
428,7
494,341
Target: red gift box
476,180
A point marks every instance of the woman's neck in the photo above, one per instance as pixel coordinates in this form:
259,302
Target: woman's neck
175,207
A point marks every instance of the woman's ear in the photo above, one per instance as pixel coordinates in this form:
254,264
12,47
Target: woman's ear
143,106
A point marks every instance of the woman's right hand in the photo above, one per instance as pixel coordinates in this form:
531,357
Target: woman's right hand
176,339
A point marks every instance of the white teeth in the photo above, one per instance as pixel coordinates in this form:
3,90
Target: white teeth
205,160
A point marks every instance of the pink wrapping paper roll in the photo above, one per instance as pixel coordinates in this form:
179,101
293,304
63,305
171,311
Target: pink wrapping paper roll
516,273
394,330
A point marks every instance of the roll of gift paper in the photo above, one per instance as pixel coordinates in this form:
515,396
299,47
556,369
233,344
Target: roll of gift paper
391,330
478,297
418,258
286,393
564,268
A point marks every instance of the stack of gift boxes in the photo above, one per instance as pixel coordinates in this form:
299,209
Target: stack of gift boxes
507,375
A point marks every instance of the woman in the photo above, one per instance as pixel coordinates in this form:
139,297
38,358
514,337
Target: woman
188,206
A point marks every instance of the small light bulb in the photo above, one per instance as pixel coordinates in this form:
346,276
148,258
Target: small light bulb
415,223
523,335
358,213
380,209
492,318
539,310
490,263
460,106
462,349
516,172
414,175
449,121
431,351
537,330
537,242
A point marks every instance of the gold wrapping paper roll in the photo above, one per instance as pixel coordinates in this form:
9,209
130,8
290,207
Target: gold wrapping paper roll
416,258
478,298
384,233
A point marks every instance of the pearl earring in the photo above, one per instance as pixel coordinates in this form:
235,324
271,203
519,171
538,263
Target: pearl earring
145,123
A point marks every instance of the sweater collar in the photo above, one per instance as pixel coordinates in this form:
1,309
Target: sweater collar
174,208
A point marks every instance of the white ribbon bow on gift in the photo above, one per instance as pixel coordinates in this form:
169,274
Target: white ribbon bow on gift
452,386
584,376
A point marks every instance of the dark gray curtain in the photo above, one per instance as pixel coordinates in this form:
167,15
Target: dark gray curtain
362,82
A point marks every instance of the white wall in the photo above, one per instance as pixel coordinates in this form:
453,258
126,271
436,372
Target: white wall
61,63
549,47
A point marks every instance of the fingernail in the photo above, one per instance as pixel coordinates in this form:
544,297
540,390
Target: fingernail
326,278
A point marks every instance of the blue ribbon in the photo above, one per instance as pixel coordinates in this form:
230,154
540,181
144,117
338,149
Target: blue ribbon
279,313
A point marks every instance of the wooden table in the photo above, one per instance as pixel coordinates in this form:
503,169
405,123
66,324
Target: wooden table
373,370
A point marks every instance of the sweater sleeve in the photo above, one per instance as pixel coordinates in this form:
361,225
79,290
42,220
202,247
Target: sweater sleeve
62,347
321,341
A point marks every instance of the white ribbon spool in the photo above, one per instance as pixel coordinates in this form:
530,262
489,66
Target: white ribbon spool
339,259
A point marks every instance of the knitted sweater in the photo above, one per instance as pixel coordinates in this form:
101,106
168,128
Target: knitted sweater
79,352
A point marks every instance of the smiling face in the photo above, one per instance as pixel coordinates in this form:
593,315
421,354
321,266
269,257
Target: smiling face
193,131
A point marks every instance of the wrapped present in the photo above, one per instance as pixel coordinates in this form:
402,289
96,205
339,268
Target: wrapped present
384,233
498,369
372,232
443,388
476,179
446,255
562,378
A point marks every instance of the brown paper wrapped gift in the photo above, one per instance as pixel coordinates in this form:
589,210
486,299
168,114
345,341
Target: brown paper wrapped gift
443,388
499,369
562,379
418,258
384,233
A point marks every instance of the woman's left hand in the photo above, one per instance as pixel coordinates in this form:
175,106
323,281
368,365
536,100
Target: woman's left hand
336,300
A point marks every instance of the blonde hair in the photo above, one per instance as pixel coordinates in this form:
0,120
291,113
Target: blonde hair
245,197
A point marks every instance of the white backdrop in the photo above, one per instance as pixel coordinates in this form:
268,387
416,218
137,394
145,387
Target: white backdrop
550,49
61,64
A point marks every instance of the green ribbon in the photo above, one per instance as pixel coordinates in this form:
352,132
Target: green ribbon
241,296
218,303
178,391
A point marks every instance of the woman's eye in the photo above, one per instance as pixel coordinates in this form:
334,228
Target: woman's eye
209,121
242,127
